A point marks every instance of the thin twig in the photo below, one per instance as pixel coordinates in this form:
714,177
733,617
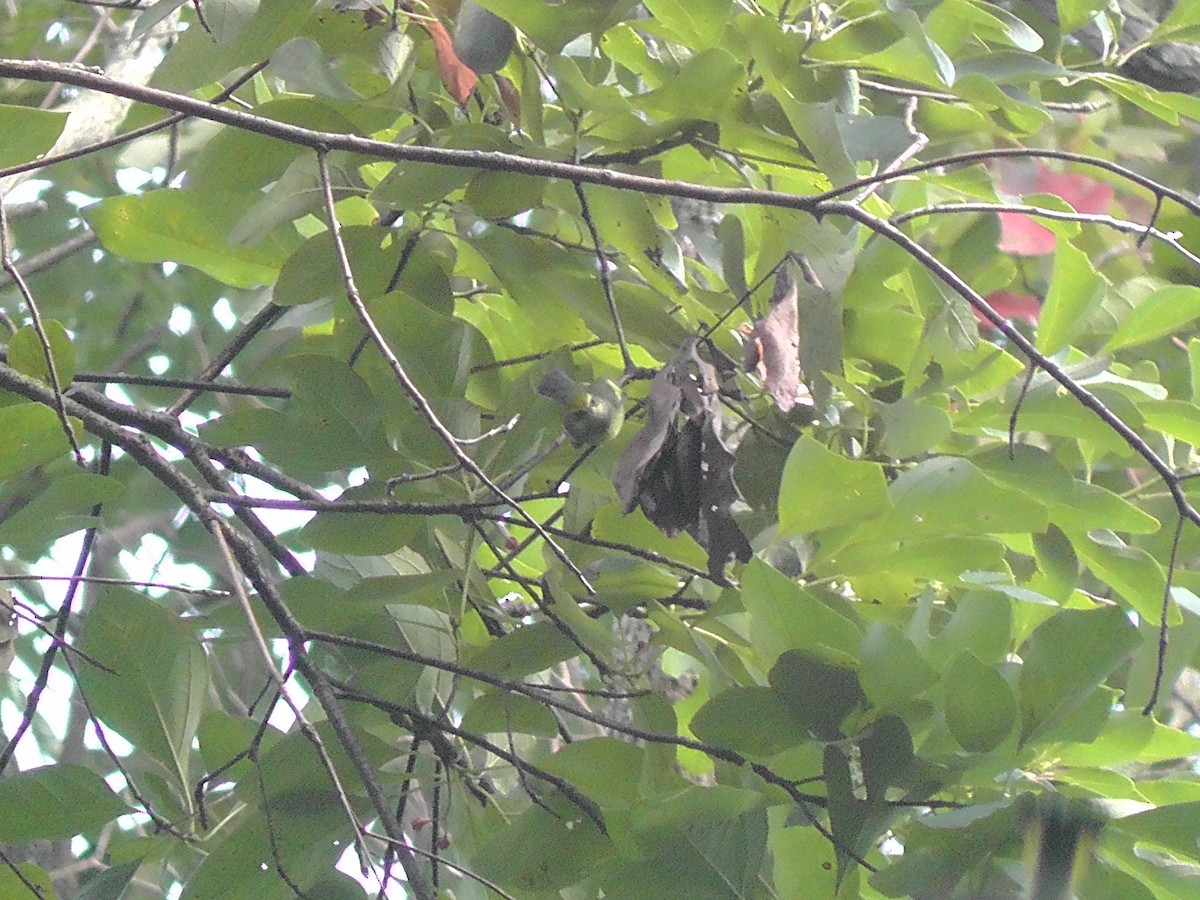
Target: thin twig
263,319
62,620
1163,630
1170,238
31,265
1085,397
43,339
207,593
424,407
1030,370
116,141
210,387
605,276
449,864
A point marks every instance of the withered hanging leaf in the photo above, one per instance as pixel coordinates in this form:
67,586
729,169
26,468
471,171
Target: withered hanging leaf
773,345
662,406
671,490
510,97
681,472
724,537
459,78
697,378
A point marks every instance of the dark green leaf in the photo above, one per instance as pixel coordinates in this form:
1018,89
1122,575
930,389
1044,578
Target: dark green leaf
55,802
158,681
981,707
1065,659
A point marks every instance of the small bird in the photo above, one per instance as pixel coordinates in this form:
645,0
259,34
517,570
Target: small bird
592,413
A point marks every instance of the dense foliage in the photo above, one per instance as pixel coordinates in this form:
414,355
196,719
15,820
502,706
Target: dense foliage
866,594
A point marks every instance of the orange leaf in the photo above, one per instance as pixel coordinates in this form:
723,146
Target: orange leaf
458,77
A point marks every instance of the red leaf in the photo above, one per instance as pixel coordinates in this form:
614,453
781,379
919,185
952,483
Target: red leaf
1085,194
1016,307
459,78
1021,235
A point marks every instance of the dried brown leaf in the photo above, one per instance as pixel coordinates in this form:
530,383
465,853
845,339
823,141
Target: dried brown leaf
459,78
681,472
510,97
773,346
662,406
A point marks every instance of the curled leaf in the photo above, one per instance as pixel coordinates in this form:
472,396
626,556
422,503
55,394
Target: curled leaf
773,345
678,468
662,406
459,78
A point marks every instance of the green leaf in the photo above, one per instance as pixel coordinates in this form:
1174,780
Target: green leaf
158,681
1072,503
242,865
755,721
1164,312
16,879
506,713
981,707
1065,659
197,59
109,884
1058,562
819,695
1177,418
950,495
787,616
501,195
33,435
982,623
63,507
623,582
55,802
1075,290
806,502
29,133
523,651
732,239
540,851
820,314
27,355
1131,571
598,767
1171,828
295,194
1180,24
802,856
704,845
701,86
697,24
307,69
553,25
912,425
181,227
892,671
359,534
1074,14
914,28
308,277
